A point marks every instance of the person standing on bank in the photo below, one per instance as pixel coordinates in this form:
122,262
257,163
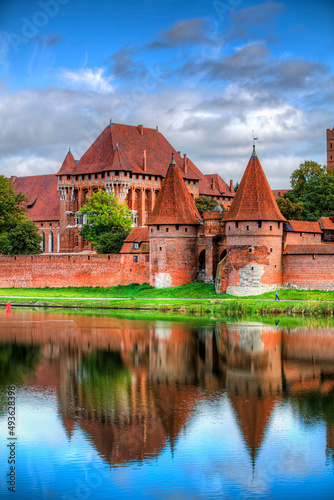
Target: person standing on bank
276,296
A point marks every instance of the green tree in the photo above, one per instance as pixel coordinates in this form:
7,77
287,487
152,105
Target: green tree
104,215
319,199
301,177
290,210
110,242
12,205
23,239
204,203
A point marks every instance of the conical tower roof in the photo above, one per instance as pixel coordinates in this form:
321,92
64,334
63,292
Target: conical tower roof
174,204
68,165
254,199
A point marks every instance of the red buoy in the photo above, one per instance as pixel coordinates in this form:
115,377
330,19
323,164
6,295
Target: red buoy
8,308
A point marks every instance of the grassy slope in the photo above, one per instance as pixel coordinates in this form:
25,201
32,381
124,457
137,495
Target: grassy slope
191,291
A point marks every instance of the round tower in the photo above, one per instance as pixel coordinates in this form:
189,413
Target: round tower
254,237
173,233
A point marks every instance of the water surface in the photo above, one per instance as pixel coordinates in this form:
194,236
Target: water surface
112,408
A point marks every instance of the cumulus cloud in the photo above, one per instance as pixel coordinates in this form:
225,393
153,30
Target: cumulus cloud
87,79
185,32
258,21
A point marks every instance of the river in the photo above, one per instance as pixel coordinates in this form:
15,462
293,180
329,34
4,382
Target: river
107,408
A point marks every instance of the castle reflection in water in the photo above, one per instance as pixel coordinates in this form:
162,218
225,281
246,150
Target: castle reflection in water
132,386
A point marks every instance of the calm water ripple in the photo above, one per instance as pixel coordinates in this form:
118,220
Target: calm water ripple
110,409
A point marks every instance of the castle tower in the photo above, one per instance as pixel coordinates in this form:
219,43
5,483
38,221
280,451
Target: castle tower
173,233
330,147
68,202
254,235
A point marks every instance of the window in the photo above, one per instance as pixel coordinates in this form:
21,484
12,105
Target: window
135,258
151,229
136,246
247,227
271,228
158,227
186,230
166,229
279,225
271,249
259,223
237,225
76,240
331,145
177,227
250,250
160,249
50,223
147,258
41,224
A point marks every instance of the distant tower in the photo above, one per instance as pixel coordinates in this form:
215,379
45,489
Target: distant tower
254,236
330,147
173,233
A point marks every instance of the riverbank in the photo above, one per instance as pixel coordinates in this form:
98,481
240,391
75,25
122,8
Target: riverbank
196,299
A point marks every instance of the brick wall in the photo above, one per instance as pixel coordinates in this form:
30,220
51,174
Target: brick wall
312,272
173,255
72,270
294,238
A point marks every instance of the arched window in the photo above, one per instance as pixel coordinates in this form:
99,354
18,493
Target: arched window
223,255
51,242
43,242
201,261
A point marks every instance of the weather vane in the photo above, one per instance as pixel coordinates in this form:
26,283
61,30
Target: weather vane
254,138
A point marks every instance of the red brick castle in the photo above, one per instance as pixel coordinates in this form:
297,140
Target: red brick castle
251,248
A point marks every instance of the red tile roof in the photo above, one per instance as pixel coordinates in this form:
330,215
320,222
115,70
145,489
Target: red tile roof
327,223
301,226
254,199
137,235
43,198
324,249
219,185
174,204
120,147
68,165
278,193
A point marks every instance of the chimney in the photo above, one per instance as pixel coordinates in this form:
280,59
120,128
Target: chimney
231,186
141,129
13,178
144,160
213,185
179,153
185,164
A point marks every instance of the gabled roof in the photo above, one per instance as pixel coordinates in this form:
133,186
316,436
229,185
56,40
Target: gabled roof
120,147
326,223
137,235
301,226
68,165
254,199
43,198
219,185
174,204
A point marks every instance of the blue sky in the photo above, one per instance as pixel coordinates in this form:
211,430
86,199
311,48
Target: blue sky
207,73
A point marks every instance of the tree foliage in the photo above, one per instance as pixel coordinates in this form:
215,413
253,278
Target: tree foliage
111,242
290,210
23,239
313,188
104,215
204,203
18,235
12,205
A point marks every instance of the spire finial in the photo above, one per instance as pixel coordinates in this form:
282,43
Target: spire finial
69,151
254,139
111,123
173,160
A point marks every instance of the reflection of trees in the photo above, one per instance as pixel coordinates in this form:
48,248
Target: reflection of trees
17,362
313,407
104,379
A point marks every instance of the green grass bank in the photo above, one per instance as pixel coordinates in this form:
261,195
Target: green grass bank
195,299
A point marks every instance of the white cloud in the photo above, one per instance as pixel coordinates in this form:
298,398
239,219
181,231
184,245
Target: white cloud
87,79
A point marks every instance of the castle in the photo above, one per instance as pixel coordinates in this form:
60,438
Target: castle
249,249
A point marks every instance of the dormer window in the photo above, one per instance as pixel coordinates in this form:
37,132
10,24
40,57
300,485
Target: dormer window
136,246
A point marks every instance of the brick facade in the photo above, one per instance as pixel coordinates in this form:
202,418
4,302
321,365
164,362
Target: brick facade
330,147
73,270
